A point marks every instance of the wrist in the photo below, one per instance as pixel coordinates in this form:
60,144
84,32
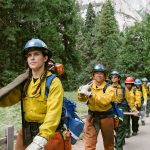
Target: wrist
40,141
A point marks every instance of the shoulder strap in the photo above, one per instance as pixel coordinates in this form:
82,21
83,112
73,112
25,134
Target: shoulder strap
105,87
123,90
49,80
134,90
141,89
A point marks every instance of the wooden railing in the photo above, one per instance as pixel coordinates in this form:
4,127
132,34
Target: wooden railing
7,142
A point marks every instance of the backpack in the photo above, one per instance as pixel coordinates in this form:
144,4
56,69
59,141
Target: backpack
141,90
108,84
134,90
118,112
69,118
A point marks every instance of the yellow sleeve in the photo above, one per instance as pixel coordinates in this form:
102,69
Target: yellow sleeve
11,98
138,96
130,97
144,93
105,98
54,110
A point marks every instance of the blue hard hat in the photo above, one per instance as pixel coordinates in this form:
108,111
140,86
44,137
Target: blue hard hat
137,82
39,44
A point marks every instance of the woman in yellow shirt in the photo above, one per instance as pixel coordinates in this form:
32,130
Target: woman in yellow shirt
100,111
41,114
126,103
136,94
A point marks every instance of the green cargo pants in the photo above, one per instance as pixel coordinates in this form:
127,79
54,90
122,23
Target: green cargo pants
121,130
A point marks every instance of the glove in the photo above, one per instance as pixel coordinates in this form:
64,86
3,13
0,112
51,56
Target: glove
85,87
37,144
33,146
85,92
145,103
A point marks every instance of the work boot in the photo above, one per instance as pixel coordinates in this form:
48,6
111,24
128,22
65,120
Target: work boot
134,133
127,135
143,123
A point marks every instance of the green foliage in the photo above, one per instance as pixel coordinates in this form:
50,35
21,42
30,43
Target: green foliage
146,25
10,116
107,36
55,22
66,24
85,42
76,43
134,52
88,33
17,26
8,76
90,19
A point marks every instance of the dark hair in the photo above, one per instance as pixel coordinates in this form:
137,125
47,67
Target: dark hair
30,78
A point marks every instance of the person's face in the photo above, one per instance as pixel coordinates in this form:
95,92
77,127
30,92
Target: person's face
138,86
36,60
129,85
99,77
114,79
145,83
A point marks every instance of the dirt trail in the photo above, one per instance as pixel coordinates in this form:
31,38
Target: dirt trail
139,142
80,146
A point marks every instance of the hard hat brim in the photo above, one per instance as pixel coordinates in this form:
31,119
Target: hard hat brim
45,51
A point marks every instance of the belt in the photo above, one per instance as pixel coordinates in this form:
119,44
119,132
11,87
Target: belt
32,125
103,114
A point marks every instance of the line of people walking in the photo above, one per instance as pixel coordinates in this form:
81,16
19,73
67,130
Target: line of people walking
41,97
100,96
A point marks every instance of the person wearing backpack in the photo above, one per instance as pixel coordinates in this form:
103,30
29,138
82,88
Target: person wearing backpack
125,102
136,94
146,96
100,111
41,114
148,100
140,105
148,87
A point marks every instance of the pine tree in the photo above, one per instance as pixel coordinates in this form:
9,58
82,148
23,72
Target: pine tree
146,26
54,22
17,19
85,44
107,36
90,19
59,28
132,55
88,34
